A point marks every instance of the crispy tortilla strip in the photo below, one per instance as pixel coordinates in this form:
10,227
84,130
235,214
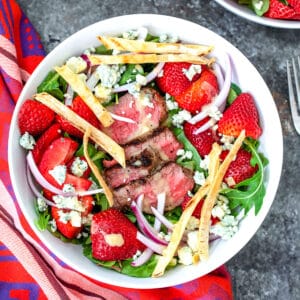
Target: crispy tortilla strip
149,58
178,231
94,168
151,47
104,141
203,234
87,96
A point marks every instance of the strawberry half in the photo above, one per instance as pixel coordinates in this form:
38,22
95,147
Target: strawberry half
51,134
202,141
34,117
174,81
79,107
59,152
113,236
200,93
240,168
241,114
278,10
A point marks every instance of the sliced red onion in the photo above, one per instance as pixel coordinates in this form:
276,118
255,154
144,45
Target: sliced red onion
88,62
34,189
69,95
161,200
220,99
156,247
152,75
143,258
162,218
145,227
139,201
213,237
142,33
219,75
122,119
92,80
211,122
89,193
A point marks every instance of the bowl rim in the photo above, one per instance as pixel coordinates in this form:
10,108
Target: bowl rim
166,280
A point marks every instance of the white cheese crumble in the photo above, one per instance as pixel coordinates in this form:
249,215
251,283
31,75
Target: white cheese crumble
59,173
78,167
68,188
199,178
131,34
226,228
165,38
140,79
227,142
145,99
184,154
87,220
192,71
42,205
214,112
185,255
192,240
193,223
68,202
204,163
103,92
27,141
53,226
109,75
76,64
73,216
171,105
178,119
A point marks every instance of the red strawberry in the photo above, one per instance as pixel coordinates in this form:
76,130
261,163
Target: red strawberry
48,194
78,106
34,117
88,204
113,236
197,211
59,152
278,10
202,141
66,229
295,4
241,114
86,174
200,93
174,81
240,168
51,134
79,183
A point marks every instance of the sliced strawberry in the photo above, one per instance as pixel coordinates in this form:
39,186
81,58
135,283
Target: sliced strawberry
79,183
78,106
51,134
295,4
241,114
202,141
88,204
173,80
86,173
200,93
59,152
240,168
197,211
113,236
34,117
279,10
66,229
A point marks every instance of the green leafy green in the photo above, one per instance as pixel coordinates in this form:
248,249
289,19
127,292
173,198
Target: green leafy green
260,7
103,50
196,159
251,191
233,93
174,215
129,75
43,218
54,85
152,38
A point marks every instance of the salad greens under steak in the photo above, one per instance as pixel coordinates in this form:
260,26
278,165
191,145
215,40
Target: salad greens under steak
185,88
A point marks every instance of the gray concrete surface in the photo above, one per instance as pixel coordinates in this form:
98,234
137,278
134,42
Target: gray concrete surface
268,267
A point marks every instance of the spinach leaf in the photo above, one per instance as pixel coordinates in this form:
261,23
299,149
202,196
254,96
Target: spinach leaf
251,191
233,93
103,50
129,75
54,85
43,218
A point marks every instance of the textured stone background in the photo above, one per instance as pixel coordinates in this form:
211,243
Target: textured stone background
268,267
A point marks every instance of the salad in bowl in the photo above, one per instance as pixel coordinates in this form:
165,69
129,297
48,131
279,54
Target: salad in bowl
142,153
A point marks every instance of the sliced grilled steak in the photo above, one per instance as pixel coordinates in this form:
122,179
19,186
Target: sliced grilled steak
147,110
172,179
162,141
136,168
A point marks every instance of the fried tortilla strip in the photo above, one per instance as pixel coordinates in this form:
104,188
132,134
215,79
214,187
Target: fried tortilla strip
94,168
104,141
122,44
203,234
149,58
87,96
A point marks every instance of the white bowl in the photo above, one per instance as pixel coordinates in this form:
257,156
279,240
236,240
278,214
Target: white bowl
246,76
244,12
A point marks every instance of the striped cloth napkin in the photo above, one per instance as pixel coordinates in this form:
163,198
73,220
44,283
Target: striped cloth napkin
28,270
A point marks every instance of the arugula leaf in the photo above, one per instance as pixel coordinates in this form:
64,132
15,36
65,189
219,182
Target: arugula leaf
196,159
130,74
251,191
54,85
103,50
233,93
42,221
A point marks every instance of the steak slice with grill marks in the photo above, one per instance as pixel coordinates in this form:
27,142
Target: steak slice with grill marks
162,141
137,168
172,179
148,110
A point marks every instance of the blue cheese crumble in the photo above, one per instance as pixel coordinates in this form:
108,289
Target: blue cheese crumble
178,119
42,205
76,64
27,141
192,71
78,167
59,173
199,178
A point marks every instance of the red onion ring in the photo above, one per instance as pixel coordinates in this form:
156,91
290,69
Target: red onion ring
155,247
143,258
162,218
